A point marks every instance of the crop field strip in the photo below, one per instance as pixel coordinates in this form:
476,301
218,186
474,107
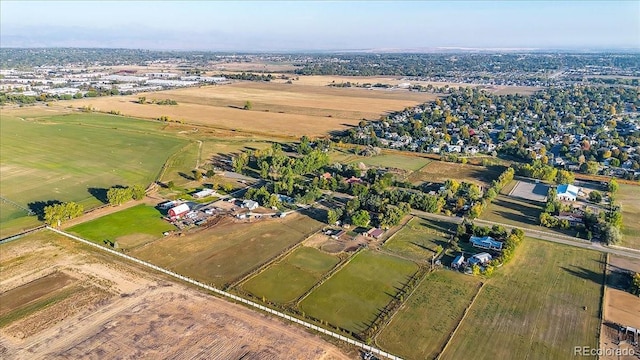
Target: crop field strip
628,196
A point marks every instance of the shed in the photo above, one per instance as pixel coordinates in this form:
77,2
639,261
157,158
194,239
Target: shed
457,262
203,193
179,210
250,204
480,259
375,233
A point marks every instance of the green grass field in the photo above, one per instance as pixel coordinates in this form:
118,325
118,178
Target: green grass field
293,276
226,252
394,161
539,306
129,227
419,238
421,327
629,198
353,297
64,157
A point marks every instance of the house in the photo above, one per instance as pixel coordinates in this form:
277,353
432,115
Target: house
567,192
203,193
457,262
375,233
486,242
573,218
480,259
285,198
250,204
325,176
353,179
179,211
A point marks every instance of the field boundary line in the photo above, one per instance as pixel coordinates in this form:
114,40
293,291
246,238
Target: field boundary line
264,266
464,315
327,276
603,297
15,204
21,234
242,300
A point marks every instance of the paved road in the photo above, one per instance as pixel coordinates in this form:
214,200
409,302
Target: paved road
543,235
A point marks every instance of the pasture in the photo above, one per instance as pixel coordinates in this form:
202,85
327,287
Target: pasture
405,162
440,171
539,306
76,157
130,227
422,325
353,297
519,212
277,109
290,278
419,238
229,250
629,198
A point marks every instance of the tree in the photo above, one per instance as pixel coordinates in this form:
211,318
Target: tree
635,284
197,174
137,192
333,216
210,173
248,105
118,195
611,234
565,177
264,169
475,270
239,162
142,100
361,218
57,213
613,186
595,196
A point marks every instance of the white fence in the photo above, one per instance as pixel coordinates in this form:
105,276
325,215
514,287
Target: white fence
235,297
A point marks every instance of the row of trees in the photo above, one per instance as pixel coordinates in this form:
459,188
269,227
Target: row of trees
55,214
118,195
538,170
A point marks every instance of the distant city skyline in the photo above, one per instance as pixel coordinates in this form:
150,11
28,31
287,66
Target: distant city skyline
321,26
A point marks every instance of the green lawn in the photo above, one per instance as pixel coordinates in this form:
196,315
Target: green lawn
293,276
629,198
68,157
394,161
539,306
227,251
353,297
422,326
419,238
125,226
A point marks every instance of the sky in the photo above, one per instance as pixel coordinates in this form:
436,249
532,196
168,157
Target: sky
321,25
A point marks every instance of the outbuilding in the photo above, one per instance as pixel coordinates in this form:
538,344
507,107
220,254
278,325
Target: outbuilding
486,242
480,259
568,192
457,262
250,204
179,210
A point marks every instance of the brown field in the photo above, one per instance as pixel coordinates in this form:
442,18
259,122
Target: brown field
229,250
278,109
118,310
620,307
440,171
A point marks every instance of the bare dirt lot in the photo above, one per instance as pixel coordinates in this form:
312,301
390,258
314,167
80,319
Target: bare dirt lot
117,310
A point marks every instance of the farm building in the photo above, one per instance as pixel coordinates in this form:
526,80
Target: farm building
285,198
167,205
203,193
375,233
573,218
457,262
568,192
486,242
339,234
179,210
480,259
250,204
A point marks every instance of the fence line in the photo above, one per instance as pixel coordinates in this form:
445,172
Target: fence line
234,297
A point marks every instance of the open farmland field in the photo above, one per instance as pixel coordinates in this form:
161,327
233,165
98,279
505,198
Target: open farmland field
519,212
353,297
539,306
440,171
130,227
74,157
224,253
278,109
422,326
324,80
629,198
395,161
290,278
419,238
62,300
